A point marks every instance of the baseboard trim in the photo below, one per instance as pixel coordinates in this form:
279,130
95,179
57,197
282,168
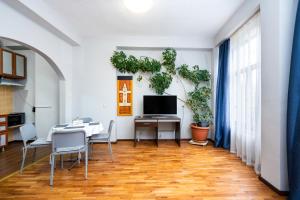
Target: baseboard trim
150,140
15,141
281,193
211,140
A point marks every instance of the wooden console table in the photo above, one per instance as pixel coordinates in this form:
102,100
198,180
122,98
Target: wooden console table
153,122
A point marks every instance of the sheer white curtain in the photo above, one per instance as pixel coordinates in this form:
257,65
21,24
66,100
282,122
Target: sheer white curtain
245,93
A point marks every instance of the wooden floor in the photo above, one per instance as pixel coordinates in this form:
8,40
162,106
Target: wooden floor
10,158
144,172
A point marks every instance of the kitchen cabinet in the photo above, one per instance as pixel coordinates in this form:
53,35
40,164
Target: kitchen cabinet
7,63
12,65
20,66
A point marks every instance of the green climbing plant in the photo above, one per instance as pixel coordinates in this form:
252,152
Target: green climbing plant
169,58
149,65
160,82
196,75
198,99
131,64
118,60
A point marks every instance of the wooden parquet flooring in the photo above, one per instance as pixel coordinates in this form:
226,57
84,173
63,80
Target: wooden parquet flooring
10,159
145,172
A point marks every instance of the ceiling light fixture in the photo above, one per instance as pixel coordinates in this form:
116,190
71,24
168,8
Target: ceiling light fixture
138,6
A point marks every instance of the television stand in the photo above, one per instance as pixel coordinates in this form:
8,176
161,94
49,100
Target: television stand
153,122
161,117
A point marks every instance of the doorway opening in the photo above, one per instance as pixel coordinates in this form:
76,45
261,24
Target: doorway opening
30,92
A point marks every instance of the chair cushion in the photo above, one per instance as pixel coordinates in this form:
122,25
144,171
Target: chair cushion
101,136
39,142
67,149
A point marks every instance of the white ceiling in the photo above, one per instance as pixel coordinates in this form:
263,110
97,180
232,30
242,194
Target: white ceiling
166,18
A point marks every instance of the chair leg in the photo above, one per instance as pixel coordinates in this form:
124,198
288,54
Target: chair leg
34,155
52,169
91,151
24,150
54,163
86,163
110,149
79,157
62,161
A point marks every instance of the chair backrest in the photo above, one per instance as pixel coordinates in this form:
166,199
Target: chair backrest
28,132
86,119
68,138
111,123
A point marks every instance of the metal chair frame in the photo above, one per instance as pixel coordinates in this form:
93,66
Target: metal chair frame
28,132
100,138
69,141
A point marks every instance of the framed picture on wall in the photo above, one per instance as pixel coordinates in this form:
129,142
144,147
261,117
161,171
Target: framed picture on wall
124,95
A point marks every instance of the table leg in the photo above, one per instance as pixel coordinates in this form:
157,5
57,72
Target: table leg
156,135
134,135
177,133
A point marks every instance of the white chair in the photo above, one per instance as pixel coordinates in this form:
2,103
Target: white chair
28,132
86,119
103,137
68,141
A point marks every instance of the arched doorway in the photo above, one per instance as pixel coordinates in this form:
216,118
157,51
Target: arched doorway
55,67
41,98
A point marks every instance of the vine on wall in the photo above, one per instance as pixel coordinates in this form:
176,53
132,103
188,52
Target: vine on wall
160,82
161,79
169,58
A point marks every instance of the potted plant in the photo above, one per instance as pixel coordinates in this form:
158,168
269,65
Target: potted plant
198,101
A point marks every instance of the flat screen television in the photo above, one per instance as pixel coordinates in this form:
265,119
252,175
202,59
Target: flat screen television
160,105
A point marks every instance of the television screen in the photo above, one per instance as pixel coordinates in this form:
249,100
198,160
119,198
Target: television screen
160,105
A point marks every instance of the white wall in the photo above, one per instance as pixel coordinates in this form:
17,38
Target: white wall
46,97
49,18
59,53
278,20
41,89
94,77
93,85
24,97
246,10
214,87
277,24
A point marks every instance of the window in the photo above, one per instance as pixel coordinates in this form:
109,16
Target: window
245,92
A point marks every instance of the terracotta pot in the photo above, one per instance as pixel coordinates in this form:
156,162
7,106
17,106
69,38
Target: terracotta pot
199,133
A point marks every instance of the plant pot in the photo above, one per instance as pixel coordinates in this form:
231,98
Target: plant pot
203,124
199,133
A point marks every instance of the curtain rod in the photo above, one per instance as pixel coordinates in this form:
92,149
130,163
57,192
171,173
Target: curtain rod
162,48
239,27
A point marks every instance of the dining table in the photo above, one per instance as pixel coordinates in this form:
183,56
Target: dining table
90,129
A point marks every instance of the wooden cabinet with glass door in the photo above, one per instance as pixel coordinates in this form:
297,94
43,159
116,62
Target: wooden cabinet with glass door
20,68
12,65
6,63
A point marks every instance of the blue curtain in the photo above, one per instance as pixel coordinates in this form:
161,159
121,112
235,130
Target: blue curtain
222,126
293,117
